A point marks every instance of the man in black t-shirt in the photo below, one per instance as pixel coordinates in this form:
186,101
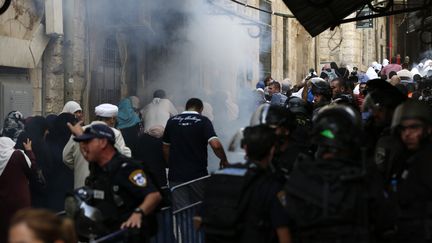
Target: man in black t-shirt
185,142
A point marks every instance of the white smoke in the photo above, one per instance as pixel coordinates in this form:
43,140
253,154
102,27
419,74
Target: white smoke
211,55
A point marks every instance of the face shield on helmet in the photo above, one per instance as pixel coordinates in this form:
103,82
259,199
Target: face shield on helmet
337,127
273,116
277,117
88,218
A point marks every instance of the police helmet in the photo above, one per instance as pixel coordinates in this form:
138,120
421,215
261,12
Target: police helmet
321,87
297,105
344,99
337,126
389,97
273,115
412,109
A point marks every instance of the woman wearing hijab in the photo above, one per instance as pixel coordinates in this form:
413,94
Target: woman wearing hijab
13,125
128,123
61,180
16,169
36,130
73,108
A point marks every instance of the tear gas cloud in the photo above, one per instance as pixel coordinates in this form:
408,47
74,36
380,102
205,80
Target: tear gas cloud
207,54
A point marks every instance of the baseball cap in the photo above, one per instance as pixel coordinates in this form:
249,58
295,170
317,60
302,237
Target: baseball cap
96,131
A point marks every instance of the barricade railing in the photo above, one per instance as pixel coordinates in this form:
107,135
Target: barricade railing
191,192
165,232
185,231
109,237
175,225
189,183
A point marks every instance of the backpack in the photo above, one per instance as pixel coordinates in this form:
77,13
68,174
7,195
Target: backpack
327,201
228,192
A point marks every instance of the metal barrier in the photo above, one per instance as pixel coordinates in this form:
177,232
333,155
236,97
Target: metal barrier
187,199
175,224
184,226
165,232
109,236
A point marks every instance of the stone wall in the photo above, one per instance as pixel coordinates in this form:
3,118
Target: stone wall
53,66
53,76
352,46
293,49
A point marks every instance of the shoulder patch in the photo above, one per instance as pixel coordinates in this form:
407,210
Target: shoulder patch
282,198
138,178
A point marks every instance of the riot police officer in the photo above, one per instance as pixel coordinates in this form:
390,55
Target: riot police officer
321,93
410,182
244,202
120,188
335,196
287,146
380,103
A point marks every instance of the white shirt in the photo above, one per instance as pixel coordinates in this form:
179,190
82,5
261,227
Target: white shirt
157,113
74,159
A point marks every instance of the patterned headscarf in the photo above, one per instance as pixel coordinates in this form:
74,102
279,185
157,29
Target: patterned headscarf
13,125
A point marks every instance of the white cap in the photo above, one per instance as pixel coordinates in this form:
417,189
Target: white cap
106,110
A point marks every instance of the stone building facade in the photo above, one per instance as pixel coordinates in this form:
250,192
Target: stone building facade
353,46
104,50
32,56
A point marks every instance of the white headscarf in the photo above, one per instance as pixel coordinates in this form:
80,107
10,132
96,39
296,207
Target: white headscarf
415,71
6,151
71,107
385,62
371,73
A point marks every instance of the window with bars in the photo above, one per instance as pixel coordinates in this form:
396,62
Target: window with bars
107,78
111,53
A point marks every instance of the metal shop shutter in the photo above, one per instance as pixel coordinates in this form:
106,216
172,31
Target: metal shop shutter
15,96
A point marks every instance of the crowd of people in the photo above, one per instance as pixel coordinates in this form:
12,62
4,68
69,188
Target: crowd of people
342,156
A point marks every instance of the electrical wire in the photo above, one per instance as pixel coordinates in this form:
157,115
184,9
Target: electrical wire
284,15
332,39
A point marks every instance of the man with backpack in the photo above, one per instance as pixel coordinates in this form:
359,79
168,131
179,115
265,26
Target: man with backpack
244,202
336,196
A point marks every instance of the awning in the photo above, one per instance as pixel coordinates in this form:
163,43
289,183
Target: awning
317,16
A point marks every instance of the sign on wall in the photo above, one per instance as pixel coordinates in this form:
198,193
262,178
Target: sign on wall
367,23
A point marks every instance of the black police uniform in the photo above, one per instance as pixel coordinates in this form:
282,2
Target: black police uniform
234,213
411,187
336,201
119,188
284,161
